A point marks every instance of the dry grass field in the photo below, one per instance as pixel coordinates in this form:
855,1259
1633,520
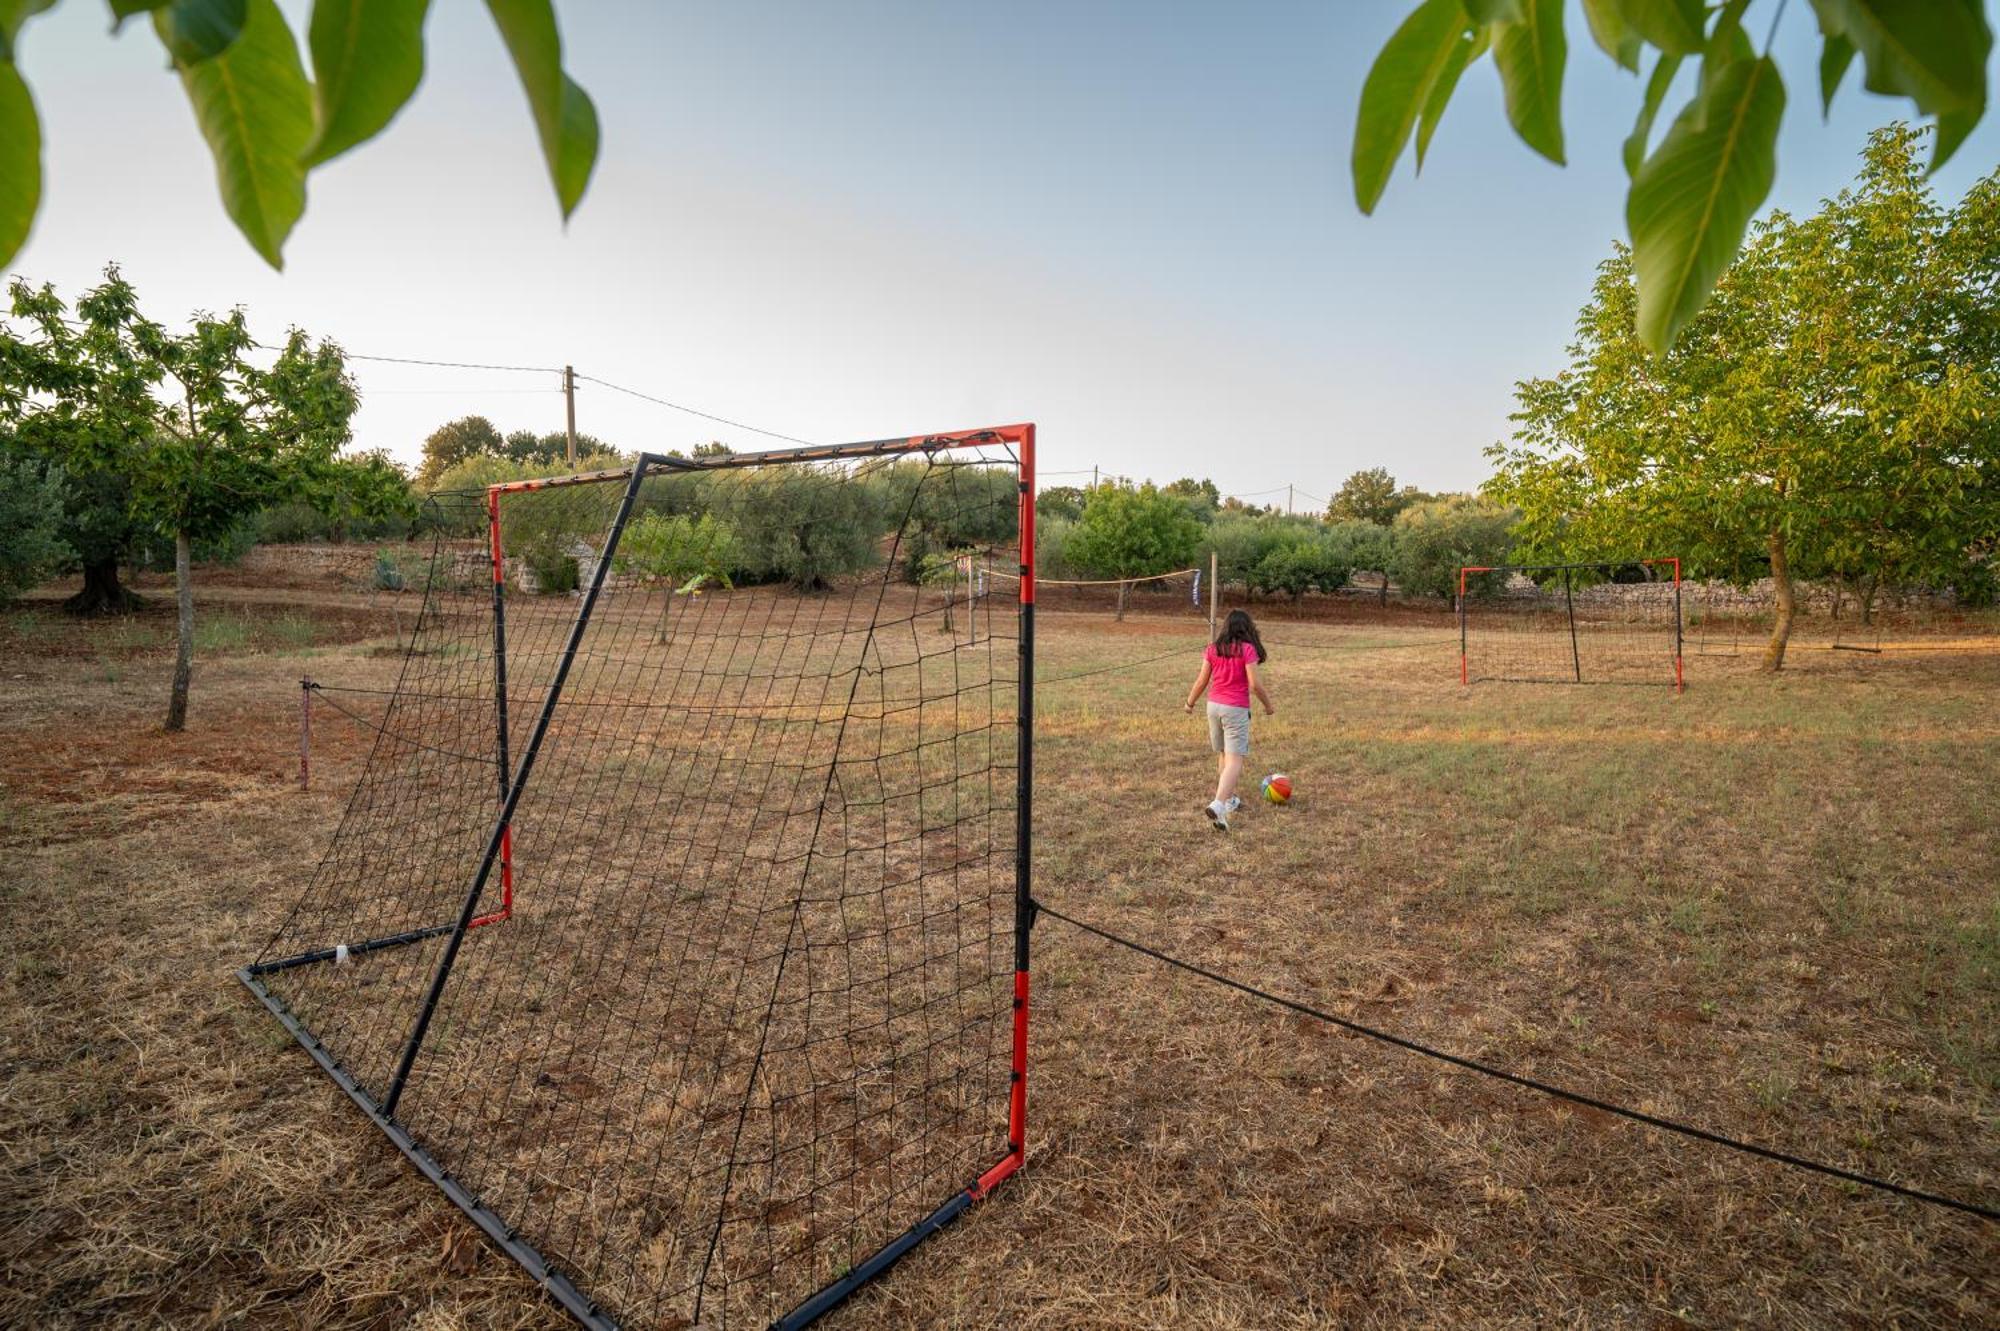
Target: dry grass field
1770,907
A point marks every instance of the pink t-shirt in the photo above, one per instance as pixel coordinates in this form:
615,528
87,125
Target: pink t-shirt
1229,676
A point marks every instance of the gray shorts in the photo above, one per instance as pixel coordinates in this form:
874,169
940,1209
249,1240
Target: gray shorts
1229,729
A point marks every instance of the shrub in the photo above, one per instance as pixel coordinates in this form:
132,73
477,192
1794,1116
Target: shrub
1434,540
32,499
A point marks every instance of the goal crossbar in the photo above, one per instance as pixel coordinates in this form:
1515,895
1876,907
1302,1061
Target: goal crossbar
514,776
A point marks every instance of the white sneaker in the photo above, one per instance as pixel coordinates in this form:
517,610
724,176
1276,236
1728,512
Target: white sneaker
1218,813
1235,803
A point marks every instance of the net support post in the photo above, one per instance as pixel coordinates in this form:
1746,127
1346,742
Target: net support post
1679,684
1569,606
1024,788
501,763
305,732
442,974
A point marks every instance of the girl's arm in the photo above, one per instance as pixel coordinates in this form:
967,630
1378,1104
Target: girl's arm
1257,686
1200,683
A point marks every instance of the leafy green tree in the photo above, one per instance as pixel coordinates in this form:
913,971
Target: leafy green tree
1201,497
268,125
1059,501
1366,548
32,498
365,492
1368,496
455,442
802,526
679,552
1435,540
1052,536
1241,541
550,450
1132,531
478,472
232,439
1831,411
201,437
76,391
1306,562
1694,193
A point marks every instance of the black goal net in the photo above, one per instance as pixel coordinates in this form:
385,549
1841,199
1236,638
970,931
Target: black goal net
1611,623
677,925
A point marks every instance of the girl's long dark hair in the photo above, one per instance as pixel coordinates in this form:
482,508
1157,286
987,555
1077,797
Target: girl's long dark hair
1238,629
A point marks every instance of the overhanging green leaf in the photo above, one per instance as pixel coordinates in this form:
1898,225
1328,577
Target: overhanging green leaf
1396,90
1530,54
1470,47
255,109
1664,70
198,30
1493,11
1613,35
13,13
1952,127
368,57
1727,43
1692,200
564,117
1674,26
1931,51
20,162
124,9
1835,55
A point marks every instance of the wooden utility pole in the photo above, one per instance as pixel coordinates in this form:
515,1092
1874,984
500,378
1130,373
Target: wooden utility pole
1093,478
569,402
1288,499
1214,593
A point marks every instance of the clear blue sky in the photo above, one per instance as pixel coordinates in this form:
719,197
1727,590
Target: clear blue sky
1131,223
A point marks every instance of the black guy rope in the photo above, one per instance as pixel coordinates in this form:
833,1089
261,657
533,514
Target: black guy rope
1485,1069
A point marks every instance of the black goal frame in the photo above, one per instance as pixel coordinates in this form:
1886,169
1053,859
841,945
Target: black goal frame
547,1274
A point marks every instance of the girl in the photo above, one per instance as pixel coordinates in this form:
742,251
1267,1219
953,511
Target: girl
1229,673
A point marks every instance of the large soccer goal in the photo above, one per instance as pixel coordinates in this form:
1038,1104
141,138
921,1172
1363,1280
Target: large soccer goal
677,927
1609,623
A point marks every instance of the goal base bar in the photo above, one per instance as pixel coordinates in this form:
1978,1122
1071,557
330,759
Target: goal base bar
370,945
893,1251
553,1282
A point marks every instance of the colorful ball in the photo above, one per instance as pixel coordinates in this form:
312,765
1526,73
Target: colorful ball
1278,788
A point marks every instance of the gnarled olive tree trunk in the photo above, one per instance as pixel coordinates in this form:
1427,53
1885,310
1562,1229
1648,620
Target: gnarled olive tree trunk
103,593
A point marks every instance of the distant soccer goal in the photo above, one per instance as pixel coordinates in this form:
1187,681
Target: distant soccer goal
677,928
1609,623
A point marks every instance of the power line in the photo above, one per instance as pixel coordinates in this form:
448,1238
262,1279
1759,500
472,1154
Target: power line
691,411
457,364
1560,1093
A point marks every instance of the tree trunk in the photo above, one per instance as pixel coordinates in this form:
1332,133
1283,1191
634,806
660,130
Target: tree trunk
102,593
177,705
1385,588
1781,585
1123,587
1868,600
